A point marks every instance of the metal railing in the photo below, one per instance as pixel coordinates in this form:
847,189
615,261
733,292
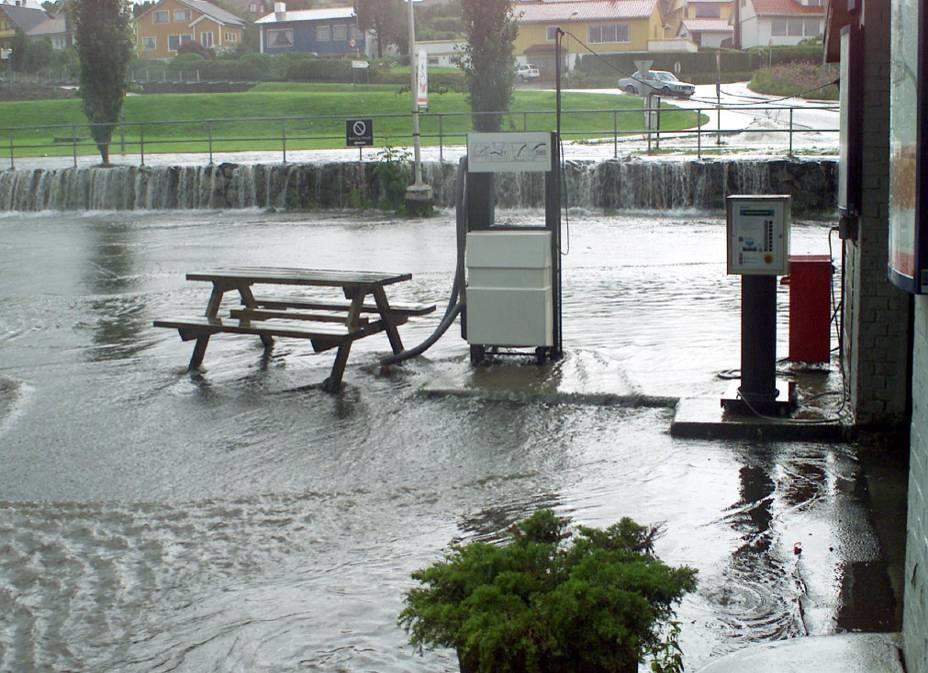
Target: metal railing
439,129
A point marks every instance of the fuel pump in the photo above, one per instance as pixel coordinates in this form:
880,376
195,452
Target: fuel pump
758,251
507,281
512,294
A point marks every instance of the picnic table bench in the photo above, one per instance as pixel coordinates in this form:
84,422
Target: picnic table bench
326,323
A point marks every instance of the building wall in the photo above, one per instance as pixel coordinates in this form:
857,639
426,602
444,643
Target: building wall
639,32
304,36
146,27
915,619
876,313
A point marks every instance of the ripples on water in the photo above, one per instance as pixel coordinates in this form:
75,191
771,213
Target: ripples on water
152,520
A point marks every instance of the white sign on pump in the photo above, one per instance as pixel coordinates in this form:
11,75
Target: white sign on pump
758,235
527,152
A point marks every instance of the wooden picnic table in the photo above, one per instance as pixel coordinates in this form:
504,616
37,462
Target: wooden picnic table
326,322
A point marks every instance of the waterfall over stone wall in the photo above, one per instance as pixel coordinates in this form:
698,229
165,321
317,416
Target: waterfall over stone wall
609,185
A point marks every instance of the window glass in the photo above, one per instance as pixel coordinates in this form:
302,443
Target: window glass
280,38
794,27
551,33
181,15
206,39
162,16
173,42
779,27
608,32
708,12
323,33
812,27
340,32
150,43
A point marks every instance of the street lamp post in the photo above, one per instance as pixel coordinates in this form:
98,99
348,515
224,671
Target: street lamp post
418,194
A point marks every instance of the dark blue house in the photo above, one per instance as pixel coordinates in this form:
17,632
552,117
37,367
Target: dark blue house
327,32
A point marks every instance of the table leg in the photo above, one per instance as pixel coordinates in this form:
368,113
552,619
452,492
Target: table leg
333,384
248,299
393,334
212,310
199,350
356,296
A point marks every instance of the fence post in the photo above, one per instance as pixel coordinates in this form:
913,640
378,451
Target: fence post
698,134
790,132
209,134
615,134
74,145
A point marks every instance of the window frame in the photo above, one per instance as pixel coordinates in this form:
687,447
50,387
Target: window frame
181,15
161,13
180,40
323,32
614,29
339,29
210,40
275,31
146,39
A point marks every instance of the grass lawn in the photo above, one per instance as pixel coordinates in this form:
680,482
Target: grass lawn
310,116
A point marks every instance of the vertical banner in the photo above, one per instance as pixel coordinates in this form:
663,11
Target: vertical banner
422,80
904,257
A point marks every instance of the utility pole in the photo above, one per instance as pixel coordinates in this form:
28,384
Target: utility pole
418,194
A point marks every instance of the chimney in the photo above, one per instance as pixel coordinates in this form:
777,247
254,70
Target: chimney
280,11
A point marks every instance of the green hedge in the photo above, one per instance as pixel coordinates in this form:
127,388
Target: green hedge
691,65
453,81
320,70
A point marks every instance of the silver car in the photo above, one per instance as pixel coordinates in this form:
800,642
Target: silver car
660,82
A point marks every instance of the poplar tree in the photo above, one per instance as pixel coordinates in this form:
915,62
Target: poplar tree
104,47
487,61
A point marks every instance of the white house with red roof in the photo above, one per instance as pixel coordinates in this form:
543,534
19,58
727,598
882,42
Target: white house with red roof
765,23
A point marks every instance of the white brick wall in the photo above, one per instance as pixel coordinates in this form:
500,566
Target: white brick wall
876,314
915,619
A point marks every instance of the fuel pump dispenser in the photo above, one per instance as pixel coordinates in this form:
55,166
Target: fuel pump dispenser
512,294
507,281
758,251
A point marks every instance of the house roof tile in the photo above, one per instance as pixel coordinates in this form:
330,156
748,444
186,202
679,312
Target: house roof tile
24,18
214,12
311,15
583,10
785,8
53,25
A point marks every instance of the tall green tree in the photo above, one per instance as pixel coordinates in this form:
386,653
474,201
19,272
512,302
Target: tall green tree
387,18
20,51
487,61
104,46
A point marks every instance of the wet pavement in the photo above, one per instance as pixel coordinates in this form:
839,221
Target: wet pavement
234,519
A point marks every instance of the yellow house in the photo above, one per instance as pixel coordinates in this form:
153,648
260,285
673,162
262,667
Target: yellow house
163,28
707,22
605,26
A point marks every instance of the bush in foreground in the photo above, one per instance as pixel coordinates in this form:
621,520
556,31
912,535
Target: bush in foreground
552,601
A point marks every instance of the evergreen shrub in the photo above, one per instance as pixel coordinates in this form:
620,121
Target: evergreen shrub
552,600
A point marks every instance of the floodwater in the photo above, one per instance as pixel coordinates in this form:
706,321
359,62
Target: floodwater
238,520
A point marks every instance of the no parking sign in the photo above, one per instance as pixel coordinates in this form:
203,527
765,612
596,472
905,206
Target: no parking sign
359,132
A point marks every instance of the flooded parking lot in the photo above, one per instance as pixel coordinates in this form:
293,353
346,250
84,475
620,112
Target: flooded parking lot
234,519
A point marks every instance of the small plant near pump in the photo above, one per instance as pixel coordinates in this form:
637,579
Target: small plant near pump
552,600
392,171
